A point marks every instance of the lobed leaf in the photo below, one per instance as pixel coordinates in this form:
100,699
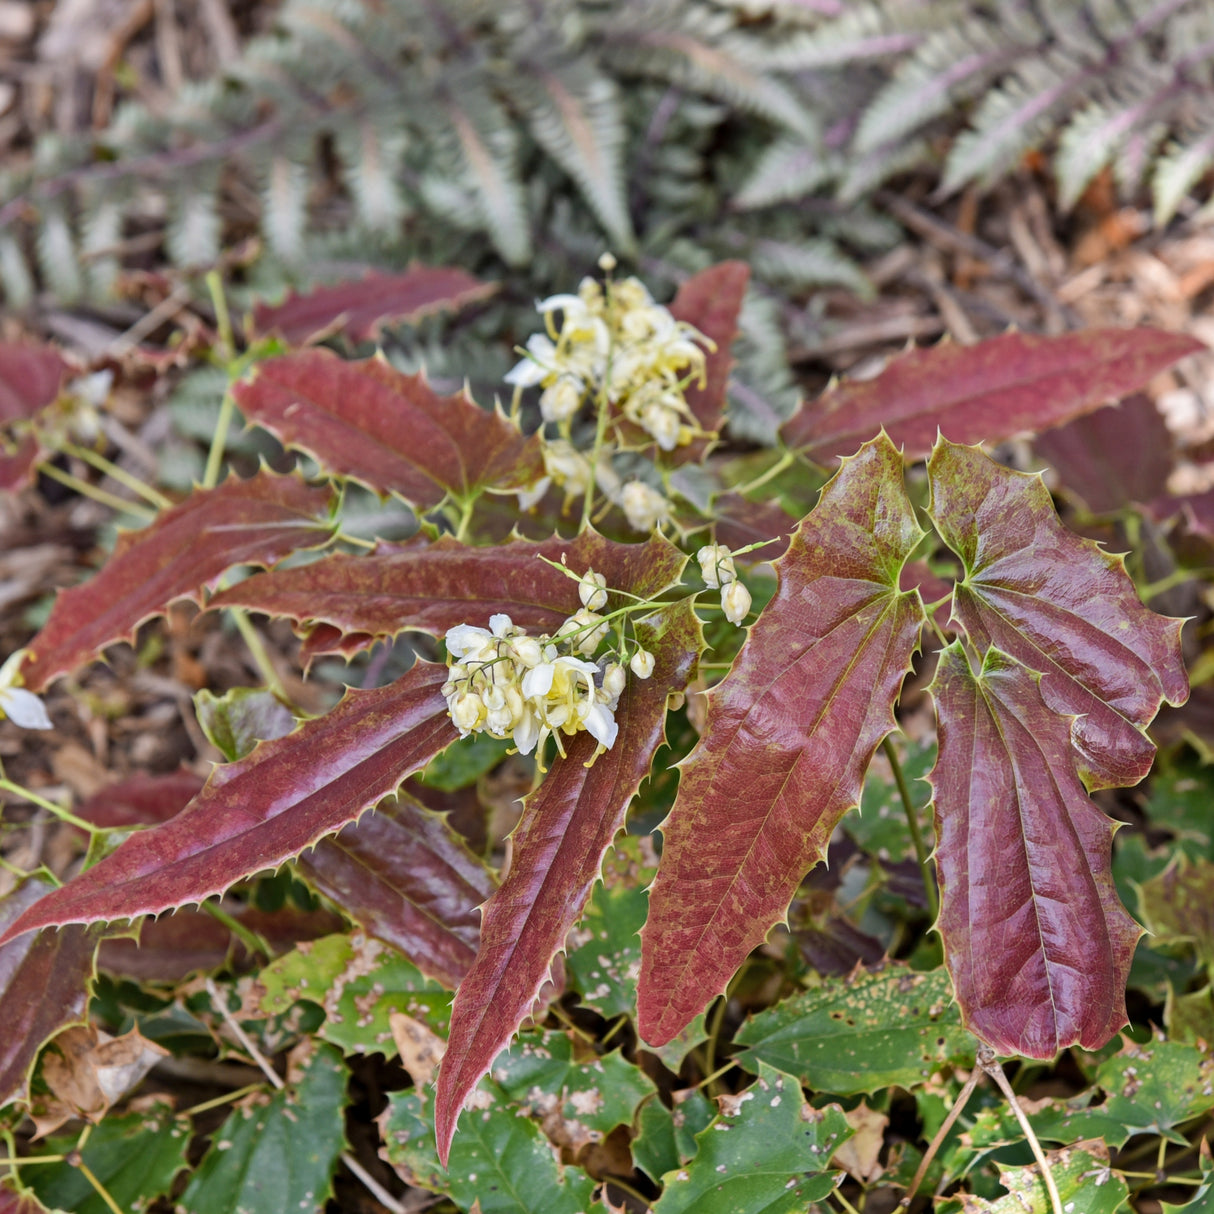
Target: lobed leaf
403,875
433,587
775,1156
1155,1087
1036,941
279,1155
182,553
44,983
789,733
264,810
986,392
558,849
1085,1182
666,1138
868,1032
389,431
361,307
1059,605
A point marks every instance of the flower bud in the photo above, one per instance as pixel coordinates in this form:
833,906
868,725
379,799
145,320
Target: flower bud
643,506
735,602
588,641
614,680
527,650
592,590
467,712
641,663
716,565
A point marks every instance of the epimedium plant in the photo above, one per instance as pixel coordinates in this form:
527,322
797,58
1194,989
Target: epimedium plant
553,558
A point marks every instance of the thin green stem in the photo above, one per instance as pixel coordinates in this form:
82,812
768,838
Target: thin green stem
714,1032
785,461
64,815
625,1187
223,318
600,434
154,498
210,476
26,1160
102,1192
912,821
937,1140
261,656
253,941
847,1205
217,1101
98,495
1177,577
725,1066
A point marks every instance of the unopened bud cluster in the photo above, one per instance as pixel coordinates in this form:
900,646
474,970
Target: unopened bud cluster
508,684
717,568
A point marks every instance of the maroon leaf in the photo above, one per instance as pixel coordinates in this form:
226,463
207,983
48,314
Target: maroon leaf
191,941
789,734
1035,939
19,1203
387,430
985,392
711,301
141,799
359,309
558,850
741,523
433,587
44,982
1060,605
264,810
186,550
1112,457
403,875
17,466
30,379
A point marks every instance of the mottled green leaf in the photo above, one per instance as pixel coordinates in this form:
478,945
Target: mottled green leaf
277,1154
499,1159
1052,1121
767,1152
135,1157
359,982
240,718
1203,1196
1154,1088
867,1032
1086,1185
666,1138
1176,906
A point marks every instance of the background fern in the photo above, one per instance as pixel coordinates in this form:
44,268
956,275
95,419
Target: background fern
356,132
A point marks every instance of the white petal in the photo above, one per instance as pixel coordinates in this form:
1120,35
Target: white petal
24,708
564,302
464,639
538,680
601,725
526,373
526,733
500,624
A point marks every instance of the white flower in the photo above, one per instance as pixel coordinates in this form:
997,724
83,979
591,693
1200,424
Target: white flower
716,565
663,423
592,590
562,399
735,602
466,641
21,707
641,663
537,366
614,681
601,725
527,650
643,506
467,712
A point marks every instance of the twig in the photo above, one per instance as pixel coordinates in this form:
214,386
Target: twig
958,1107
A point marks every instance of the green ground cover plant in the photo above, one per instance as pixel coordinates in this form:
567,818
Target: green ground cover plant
708,666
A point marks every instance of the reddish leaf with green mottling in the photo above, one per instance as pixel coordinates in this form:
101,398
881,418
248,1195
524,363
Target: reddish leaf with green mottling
789,734
360,308
985,392
44,982
1060,605
402,874
431,587
255,814
185,551
711,301
387,430
558,849
1035,939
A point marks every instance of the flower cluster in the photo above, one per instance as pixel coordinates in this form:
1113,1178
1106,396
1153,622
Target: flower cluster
510,685
614,347
716,566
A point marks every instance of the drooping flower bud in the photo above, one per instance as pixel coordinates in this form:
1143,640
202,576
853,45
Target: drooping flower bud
716,565
735,602
592,590
642,663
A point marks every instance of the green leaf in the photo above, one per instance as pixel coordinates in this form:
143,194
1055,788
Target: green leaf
240,718
1203,1195
359,982
667,1137
1062,1121
604,955
790,731
1177,909
867,1032
578,1102
499,1159
464,762
1178,800
276,1156
767,1152
135,1157
1155,1087
1086,1185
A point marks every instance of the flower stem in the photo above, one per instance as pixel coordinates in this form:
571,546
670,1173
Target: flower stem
249,938
64,815
912,821
121,475
785,461
261,656
98,495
